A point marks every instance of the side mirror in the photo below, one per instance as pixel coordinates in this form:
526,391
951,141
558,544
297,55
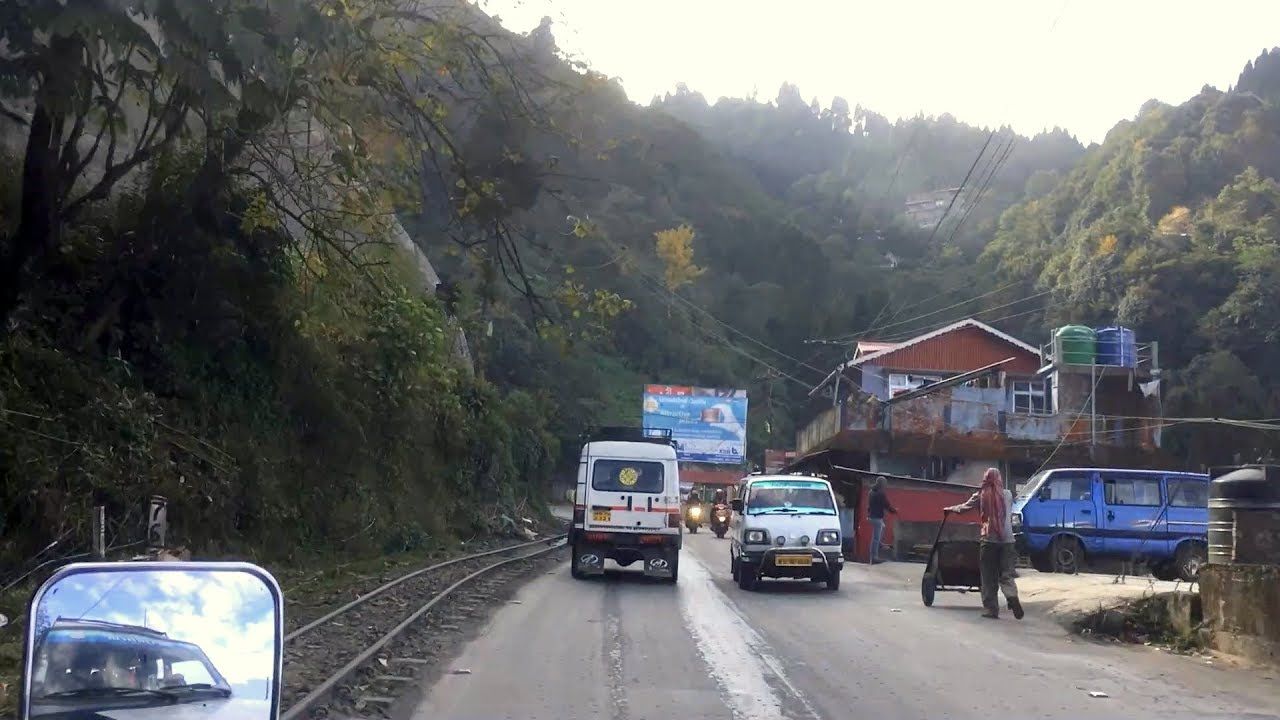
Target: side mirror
736,504
1043,494
124,639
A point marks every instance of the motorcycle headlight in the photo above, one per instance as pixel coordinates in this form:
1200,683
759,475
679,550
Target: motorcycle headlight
828,537
756,537
695,511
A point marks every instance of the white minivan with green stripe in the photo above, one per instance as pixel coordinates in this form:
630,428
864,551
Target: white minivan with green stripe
786,526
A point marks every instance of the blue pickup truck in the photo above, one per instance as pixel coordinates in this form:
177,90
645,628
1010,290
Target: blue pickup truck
1067,516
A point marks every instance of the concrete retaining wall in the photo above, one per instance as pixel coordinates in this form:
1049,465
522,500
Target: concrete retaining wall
1242,609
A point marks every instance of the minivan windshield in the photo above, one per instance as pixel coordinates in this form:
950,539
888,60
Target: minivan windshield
1032,485
627,476
790,497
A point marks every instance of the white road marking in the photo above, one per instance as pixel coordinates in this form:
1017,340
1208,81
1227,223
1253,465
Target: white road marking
741,662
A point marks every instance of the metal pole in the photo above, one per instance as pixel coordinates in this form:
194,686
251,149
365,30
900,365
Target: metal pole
99,532
1093,403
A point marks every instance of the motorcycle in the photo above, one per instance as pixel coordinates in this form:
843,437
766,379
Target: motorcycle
720,515
693,518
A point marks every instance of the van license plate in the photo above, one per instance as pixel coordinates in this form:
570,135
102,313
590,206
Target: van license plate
600,515
793,560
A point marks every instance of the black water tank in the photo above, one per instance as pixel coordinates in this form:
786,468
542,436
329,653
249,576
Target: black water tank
1244,514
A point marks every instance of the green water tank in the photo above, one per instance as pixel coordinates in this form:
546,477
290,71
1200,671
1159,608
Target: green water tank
1078,343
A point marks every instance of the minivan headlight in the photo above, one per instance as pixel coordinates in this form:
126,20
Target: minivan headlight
828,537
756,537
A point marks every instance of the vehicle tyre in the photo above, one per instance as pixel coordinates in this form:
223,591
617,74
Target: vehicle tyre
1164,570
1042,562
574,571
833,581
675,568
747,577
928,587
720,533
1066,555
1191,556
733,566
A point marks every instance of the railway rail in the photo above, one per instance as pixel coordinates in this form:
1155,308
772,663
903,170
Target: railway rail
325,655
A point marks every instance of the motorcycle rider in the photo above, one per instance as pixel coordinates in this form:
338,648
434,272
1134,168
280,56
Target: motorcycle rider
720,508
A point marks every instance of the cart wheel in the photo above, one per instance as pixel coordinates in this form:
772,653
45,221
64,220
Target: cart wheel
928,586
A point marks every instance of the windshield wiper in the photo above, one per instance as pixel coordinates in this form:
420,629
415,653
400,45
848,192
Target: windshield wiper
100,692
177,689
818,512
767,511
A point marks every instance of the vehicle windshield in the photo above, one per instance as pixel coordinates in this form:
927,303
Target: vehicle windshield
790,497
1032,484
89,663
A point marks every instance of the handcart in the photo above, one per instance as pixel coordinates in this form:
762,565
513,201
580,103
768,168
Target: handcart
952,566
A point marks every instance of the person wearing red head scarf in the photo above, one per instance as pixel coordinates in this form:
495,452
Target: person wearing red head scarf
996,554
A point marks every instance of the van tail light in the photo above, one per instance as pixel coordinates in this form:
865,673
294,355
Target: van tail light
579,514
673,519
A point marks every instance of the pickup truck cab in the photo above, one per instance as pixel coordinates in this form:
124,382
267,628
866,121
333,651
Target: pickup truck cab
1068,516
627,504
785,526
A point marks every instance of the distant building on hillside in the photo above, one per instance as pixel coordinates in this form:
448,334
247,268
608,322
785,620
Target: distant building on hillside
947,404
927,209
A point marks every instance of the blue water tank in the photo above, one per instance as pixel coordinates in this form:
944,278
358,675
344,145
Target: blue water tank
1117,347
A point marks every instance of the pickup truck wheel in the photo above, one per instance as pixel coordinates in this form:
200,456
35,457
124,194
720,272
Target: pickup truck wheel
1042,562
1190,558
1164,570
734,570
747,577
1066,555
833,581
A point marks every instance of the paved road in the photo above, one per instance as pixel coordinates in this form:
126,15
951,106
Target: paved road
625,648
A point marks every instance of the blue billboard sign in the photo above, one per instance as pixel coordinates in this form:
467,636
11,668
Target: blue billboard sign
709,425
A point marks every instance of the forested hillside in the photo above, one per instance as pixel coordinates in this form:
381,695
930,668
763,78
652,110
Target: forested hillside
1170,226
203,296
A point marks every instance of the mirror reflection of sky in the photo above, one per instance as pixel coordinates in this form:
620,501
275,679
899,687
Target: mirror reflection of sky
229,614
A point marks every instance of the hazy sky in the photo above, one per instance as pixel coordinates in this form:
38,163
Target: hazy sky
1079,64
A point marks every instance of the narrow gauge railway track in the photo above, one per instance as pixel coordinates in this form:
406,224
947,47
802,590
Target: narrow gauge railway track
324,655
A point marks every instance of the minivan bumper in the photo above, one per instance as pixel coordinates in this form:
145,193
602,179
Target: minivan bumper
824,563
656,551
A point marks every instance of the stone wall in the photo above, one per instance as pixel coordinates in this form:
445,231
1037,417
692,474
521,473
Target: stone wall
1242,609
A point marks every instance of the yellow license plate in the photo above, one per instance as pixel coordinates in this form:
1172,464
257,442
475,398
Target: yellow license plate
793,560
600,515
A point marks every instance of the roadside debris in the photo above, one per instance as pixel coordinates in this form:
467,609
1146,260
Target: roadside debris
1097,694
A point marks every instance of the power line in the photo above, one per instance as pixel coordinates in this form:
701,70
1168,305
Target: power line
729,345
960,189
999,163
664,289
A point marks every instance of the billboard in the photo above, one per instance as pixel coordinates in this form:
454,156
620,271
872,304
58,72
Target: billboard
709,425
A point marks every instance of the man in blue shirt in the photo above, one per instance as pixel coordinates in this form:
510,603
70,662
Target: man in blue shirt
877,504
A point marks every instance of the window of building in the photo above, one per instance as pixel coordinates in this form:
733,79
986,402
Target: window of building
901,382
1030,397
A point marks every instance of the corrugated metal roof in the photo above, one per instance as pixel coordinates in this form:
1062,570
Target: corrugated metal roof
959,347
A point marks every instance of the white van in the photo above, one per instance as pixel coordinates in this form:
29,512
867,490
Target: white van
786,526
627,504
